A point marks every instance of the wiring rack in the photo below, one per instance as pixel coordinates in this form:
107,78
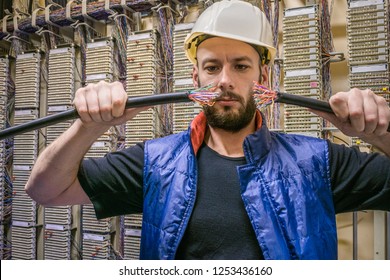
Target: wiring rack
142,79
302,67
132,236
81,10
4,68
5,180
183,113
61,87
368,44
96,246
57,233
97,233
24,209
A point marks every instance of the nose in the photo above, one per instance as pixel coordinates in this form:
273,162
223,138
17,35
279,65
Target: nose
225,80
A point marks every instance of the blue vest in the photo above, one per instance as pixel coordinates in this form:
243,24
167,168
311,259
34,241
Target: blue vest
285,187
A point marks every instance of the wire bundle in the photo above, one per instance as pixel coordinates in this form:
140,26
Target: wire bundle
263,96
327,47
204,96
95,9
165,60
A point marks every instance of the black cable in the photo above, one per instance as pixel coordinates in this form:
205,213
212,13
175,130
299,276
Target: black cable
303,101
132,102
306,102
157,99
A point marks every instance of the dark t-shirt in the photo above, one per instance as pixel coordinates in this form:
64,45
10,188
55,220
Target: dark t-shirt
219,227
114,184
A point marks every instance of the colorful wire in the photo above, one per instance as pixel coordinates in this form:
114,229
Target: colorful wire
205,95
263,96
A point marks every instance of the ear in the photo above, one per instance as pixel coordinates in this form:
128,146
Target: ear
264,75
195,76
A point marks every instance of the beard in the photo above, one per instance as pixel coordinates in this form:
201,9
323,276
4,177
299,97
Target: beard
230,119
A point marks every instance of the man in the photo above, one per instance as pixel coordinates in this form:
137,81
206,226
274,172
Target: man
227,188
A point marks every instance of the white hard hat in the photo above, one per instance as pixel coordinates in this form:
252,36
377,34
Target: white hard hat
236,20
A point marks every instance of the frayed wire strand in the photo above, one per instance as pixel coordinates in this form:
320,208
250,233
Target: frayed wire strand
204,96
263,96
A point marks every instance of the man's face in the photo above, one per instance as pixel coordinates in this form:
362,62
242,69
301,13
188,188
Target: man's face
231,66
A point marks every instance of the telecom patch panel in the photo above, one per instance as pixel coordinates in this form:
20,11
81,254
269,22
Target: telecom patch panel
61,78
57,233
23,242
139,87
24,209
58,218
4,72
100,57
302,67
132,236
142,79
5,160
57,243
183,113
376,76
96,246
58,226
132,240
27,80
301,53
99,66
61,87
368,43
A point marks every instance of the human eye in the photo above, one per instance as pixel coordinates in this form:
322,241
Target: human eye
211,68
242,67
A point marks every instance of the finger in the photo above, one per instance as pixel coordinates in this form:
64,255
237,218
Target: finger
383,116
370,109
104,99
356,110
81,105
93,103
339,104
118,99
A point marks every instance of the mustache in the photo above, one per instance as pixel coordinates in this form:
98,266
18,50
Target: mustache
229,95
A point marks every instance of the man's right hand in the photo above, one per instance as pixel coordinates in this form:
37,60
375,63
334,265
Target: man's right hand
103,105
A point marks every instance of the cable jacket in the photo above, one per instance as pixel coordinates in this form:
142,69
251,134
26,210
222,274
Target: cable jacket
132,102
307,102
303,101
152,100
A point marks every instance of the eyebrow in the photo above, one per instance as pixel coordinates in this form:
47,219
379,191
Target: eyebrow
242,58
237,59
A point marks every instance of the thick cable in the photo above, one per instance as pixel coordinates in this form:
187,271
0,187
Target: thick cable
264,97
132,102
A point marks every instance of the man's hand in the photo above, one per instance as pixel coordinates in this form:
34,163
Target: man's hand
363,114
359,113
103,105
